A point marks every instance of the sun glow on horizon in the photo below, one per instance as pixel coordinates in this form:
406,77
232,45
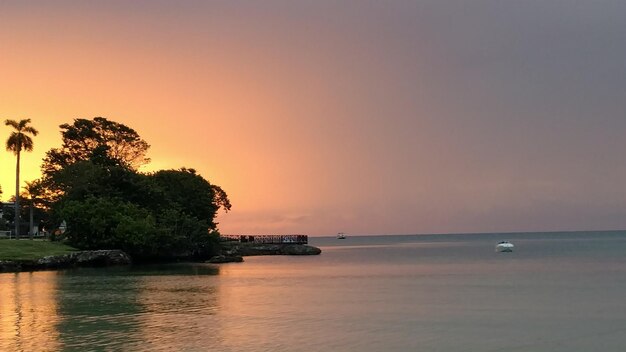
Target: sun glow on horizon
402,117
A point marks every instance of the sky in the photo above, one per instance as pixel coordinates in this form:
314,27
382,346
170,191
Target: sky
364,117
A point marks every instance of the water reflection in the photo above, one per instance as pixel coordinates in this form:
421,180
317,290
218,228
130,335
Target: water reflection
97,309
137,308
179,311
28,312
546,296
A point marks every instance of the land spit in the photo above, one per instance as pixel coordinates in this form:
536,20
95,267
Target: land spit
235,251
231,252
70,260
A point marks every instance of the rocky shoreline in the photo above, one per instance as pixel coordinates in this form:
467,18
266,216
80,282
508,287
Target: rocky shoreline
235,251
231,252
71,260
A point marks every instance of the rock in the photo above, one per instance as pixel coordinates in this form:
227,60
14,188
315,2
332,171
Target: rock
9,266
261,249
101,258
54,261
82,258
249,249
225,259
300,249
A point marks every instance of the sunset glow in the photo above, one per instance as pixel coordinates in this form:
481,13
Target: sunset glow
362,117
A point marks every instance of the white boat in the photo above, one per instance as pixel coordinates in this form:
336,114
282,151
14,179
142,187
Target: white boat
341,236
504,246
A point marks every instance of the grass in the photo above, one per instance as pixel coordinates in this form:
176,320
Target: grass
31,249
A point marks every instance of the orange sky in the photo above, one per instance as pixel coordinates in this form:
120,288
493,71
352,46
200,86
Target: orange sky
320,118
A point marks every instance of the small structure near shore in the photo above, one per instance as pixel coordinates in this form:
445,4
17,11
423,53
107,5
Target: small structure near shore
236,246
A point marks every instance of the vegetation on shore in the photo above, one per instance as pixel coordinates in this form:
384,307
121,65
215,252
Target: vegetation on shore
19,140
32,250
92,184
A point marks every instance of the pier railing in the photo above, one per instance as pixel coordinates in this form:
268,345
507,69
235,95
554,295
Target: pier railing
267,239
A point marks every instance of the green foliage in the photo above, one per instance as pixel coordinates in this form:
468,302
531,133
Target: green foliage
106,223
85,178
100,141
92,184
189,232
109,223
189,193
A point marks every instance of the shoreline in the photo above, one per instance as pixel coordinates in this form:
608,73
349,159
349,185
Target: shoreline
95,258
233,252
105,258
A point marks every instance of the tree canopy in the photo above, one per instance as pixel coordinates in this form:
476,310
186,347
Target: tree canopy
190,193
92,183
19,139
98,140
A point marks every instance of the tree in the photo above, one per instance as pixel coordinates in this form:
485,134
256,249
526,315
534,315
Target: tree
99,140
112,223
34,192
19,140
2,221
108,223
187,191
168,214
91,182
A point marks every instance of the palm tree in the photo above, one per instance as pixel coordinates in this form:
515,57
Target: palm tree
19,140
31,192
35,192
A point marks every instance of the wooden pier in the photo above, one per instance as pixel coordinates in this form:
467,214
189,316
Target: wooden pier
267,239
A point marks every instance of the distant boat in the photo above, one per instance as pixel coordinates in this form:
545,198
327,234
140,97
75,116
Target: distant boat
504,246
341,236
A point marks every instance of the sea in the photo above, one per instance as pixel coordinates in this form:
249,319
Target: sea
561,291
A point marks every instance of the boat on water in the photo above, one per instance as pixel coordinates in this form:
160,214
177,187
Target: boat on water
504,246
341,236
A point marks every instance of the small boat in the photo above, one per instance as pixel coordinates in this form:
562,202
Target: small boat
504,246
341,236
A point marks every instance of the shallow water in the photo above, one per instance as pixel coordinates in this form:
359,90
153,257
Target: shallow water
556,292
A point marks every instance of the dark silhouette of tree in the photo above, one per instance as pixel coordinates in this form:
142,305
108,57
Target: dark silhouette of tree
92,184
33,192
187,191
100,141
19,140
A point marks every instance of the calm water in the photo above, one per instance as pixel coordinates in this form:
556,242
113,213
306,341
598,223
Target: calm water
556,292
